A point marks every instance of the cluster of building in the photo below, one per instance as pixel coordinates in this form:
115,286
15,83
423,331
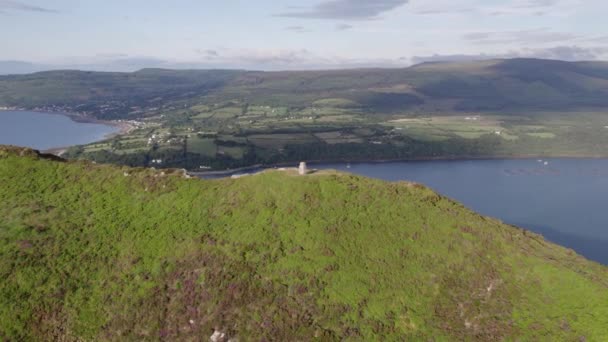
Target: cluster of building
132,123
165,138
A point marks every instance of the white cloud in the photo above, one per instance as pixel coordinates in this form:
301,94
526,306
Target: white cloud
11,5
531,36
346,9
481,7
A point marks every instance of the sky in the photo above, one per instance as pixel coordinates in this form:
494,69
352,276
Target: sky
125,35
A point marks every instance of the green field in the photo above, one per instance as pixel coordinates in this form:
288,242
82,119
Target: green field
227,139
204,146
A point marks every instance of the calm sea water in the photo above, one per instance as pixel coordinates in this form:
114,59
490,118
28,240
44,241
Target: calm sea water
566,200
44,131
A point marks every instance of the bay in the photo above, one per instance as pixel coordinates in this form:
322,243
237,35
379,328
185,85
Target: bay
44,131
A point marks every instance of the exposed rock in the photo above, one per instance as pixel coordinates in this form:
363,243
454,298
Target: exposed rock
217,336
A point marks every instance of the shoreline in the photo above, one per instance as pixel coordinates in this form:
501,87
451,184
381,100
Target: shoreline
78,117
121,126
262,167
229,171
124,127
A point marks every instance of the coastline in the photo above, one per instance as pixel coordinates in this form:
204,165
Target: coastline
262,167
231,171
123,127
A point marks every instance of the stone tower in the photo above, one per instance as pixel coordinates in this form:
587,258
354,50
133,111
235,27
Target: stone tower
302,170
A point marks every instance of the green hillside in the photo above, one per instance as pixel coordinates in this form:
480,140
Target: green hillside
107,95
97,252
479,85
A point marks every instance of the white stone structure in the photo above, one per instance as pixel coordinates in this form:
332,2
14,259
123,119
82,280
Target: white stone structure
302,170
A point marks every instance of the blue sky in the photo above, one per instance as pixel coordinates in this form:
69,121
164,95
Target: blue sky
270,34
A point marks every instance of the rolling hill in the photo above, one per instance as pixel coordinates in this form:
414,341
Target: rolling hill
84,91
98,252
508,84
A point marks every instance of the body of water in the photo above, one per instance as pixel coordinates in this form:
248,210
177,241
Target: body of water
43,131
563,199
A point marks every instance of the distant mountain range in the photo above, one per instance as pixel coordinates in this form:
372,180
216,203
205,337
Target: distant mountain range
501,84
127,65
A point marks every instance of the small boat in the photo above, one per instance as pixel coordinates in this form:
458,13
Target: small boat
348,166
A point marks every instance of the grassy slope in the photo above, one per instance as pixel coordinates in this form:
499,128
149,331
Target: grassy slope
105,253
